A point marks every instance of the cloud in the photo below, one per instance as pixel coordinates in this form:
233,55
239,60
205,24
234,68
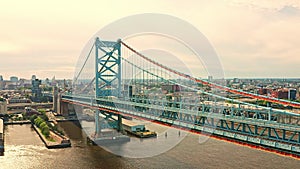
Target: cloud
273,5
252,38
290,11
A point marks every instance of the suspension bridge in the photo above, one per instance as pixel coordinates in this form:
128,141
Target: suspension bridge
116,80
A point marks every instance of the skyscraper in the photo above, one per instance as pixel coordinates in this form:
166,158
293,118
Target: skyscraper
36,90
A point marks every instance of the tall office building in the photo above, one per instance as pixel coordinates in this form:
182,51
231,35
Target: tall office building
36,90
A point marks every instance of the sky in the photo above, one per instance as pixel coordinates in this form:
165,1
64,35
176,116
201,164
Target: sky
253,38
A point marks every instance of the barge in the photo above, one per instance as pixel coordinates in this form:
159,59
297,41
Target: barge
137,130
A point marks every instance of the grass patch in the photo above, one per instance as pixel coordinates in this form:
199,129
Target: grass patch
50,139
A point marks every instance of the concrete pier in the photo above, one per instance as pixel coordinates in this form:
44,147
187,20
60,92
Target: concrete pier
60,141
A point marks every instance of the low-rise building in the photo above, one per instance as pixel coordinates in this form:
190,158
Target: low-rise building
3,106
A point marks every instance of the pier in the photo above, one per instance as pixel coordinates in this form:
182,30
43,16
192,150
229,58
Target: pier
58,142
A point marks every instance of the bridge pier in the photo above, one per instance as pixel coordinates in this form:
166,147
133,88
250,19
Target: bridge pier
55,99
65,109
120,127
75,109
103,123
97,127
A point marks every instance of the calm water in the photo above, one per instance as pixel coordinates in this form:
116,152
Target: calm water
24,149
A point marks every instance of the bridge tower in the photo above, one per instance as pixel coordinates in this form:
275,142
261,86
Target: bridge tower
107,68
107,74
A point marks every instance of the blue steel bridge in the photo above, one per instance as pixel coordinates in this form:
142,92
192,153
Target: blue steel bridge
115,80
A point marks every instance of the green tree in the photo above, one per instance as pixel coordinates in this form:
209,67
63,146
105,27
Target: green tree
42,111
32,118
44,116
43,125
38,121
46,131
35,121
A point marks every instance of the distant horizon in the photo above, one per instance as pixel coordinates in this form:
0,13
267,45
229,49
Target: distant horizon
65,78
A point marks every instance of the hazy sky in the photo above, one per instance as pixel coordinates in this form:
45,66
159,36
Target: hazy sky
252,38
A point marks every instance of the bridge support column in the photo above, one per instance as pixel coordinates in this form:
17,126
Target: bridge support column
256,130
65,109
222,124
58,104
120,128
55,99
77,109
269,132
97,126
244,128
212,122
269,115
232,125
62,108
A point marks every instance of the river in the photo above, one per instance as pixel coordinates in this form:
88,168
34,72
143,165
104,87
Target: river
24,149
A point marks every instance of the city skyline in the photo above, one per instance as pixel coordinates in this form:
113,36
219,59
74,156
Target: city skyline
254,39
8,78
